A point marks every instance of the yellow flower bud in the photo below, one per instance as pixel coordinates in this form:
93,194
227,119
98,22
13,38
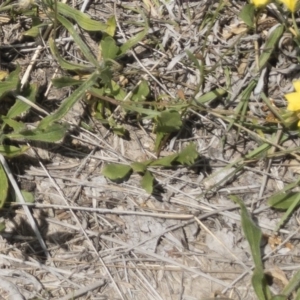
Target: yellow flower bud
290,4
260,3
293,99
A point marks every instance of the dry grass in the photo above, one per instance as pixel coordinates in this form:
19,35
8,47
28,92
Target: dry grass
108,240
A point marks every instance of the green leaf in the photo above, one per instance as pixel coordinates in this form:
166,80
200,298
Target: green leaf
68,103
28,197
188,155
15,125
11,83
279,297
77,39
118,95
166,161
297,297
106,75
158,140
20,107
10,151
211,96
3,186
35,30
65,81
259,284
116,171
283,200
120,130
135,39
253,235
139,167
247,14
82,19
270,45
2,226
51,134
64,64
109,48
116,91
168,122
289,211
252,232
147,182
292,285
194,59
111,26
141,92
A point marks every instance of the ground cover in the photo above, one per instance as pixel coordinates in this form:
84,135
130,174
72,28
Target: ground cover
149,150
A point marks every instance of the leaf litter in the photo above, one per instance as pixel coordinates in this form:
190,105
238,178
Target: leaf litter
131,244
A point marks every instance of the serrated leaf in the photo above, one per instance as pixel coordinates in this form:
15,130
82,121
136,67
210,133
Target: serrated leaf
109,48
147,182
247,14
141,92
116,171
116,91
283,200
68,103
166,161
10,151
270,45
168,122
188,155
138,167
3,186
51,134
82,19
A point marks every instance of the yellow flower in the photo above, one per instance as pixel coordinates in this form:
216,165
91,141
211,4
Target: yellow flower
293,99
260,3
290,4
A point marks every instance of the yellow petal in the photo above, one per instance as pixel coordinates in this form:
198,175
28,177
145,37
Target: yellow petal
296,85
293,100
260,3
3,75
290,4
298,124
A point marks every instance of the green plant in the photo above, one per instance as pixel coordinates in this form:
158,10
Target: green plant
253,235
118,172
